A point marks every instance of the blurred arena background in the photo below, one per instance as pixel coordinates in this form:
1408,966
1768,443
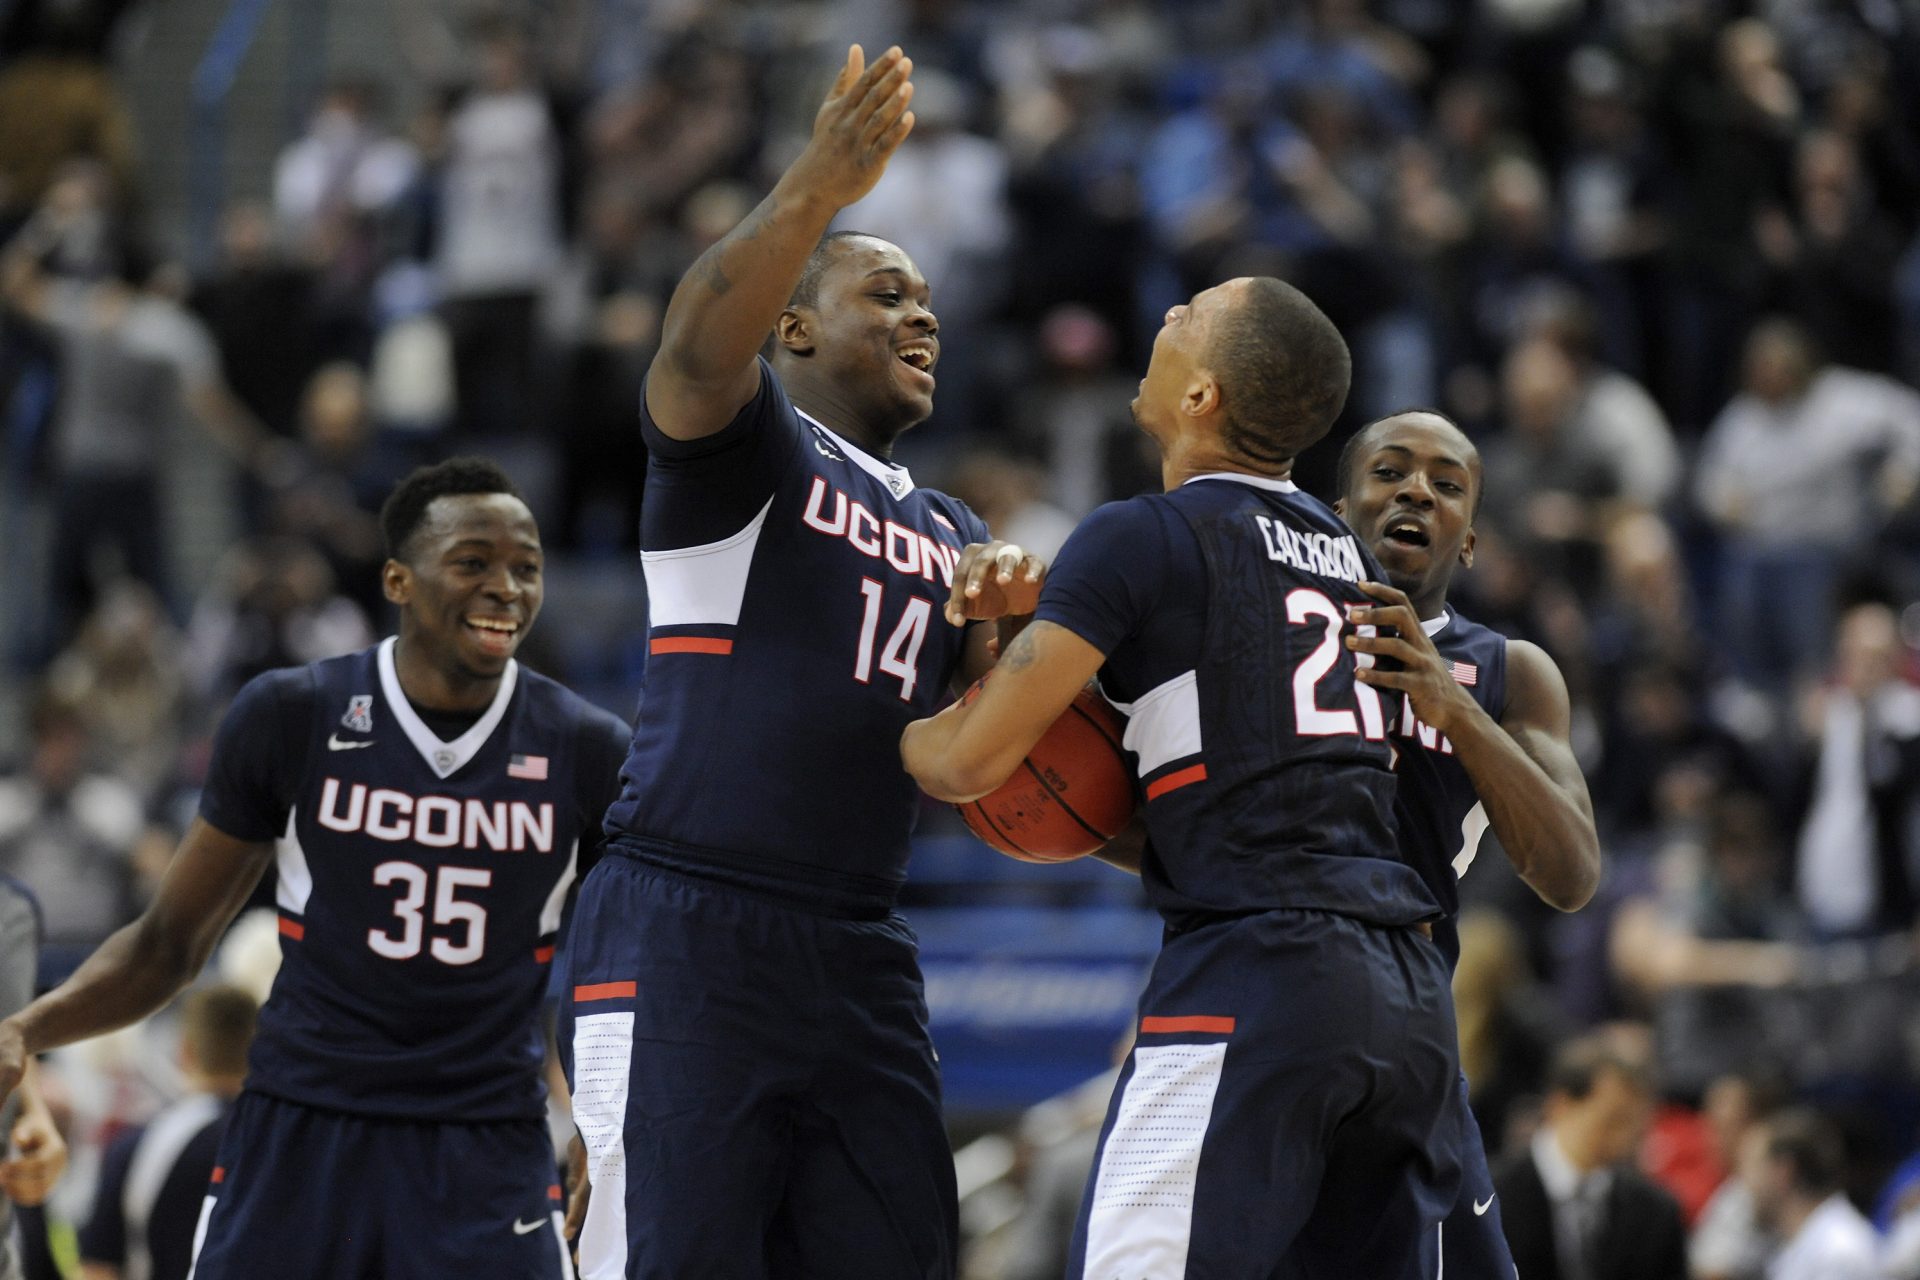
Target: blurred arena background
1658,257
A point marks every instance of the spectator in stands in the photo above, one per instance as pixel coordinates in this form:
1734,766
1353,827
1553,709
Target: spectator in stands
36,1152
1793,1165
273,603
1508,1025
1719,918
1797,474
336,187
1833,256
337,479
1573,1206
128,354
1728,1241
123,673
1859,843
499,236
153,1179
67,832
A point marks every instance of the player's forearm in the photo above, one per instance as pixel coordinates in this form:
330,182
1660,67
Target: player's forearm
131,976
937,752
727,303
1547,832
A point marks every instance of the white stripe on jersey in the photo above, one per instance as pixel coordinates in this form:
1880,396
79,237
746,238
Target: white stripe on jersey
1164,723
602,1067
1141,1223
703,584
557,900
296,877
154,1157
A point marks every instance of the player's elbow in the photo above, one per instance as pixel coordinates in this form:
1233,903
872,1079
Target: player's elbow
959,781
1579,878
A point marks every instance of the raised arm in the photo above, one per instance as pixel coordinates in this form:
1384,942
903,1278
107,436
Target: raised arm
1522,767
144,965
726,305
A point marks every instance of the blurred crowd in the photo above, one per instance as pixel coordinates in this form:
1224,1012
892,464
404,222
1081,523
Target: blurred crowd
1660,260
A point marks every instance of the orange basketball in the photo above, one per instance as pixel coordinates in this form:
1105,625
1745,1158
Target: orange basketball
1072,794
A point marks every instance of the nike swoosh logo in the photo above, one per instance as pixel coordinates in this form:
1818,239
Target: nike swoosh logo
335,744
1480,1207
521,1228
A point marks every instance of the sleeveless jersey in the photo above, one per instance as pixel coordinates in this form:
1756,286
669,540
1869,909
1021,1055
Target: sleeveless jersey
795,588
421,882
1266,767
1439,814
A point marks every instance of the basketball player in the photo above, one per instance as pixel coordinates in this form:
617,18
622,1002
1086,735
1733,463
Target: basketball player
424,803
1480,723
1289,1095
751,1069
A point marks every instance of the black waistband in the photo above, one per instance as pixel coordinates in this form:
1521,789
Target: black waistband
817,890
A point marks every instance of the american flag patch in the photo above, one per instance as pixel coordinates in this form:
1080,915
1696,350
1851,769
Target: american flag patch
1465,672
533,768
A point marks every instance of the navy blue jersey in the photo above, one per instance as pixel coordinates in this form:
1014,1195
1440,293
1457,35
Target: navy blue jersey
146,1203
420,882
1267,771
795,588
1438,812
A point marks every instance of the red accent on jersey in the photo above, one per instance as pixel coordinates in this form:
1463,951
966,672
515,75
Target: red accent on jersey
690,644
292,929
1201,1023
1175,780
605,991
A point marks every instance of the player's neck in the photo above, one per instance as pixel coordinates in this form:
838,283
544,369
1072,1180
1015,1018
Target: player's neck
831,411
1430,604
1187,458
437,688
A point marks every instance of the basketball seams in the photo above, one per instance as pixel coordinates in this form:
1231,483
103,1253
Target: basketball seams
979,807
1065,807
1098,728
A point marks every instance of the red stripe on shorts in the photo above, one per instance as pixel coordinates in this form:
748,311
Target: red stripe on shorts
605,991
1205,1025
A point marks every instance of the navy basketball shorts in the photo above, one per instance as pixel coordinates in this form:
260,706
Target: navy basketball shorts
1473,1243
1287,1110
755,1087
304,1194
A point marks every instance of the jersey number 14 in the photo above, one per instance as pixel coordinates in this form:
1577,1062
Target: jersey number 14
900,656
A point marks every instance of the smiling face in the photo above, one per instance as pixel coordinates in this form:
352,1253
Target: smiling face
1410,495
468,583
872,335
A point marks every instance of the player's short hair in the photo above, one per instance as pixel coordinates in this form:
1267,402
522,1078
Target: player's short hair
807,292
217,1023
1811,1148
1283,370
1348,472
1580,1064
406,507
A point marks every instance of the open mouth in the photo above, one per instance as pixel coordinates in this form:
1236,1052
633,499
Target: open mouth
917,356
1407,533
495,635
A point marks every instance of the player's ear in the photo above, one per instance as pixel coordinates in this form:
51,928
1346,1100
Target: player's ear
794,331
1202,396
1340,506
396,582
1466,550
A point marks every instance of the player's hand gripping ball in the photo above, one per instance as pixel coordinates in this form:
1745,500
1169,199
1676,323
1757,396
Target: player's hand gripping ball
1072,794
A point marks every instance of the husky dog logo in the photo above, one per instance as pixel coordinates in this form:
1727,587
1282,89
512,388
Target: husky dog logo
825,447
359,717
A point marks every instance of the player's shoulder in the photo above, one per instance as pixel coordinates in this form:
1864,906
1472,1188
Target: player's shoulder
951,513
553,701
1463,632
290,691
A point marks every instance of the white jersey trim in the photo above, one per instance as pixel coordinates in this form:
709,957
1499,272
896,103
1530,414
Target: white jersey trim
154,1156
899,483
296,877
1164,723
1434,626
602,1067
703,584
556,902
1141,1221
444,758
1242,477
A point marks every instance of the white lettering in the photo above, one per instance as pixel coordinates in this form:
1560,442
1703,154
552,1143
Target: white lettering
907,559
329,805
815,497
378,826
526,827
870,545
482,822
448,833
